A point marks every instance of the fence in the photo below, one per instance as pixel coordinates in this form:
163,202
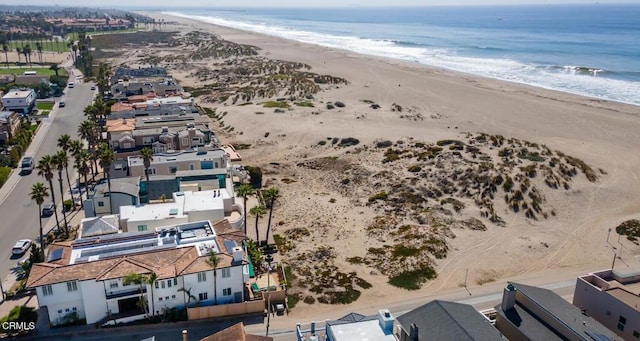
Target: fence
226,310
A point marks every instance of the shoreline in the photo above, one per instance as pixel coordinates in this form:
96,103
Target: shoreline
602,133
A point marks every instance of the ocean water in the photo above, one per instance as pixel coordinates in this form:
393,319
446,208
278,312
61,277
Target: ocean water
591,50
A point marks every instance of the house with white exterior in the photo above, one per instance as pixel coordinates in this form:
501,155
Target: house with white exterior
188,206
124,191
85,279
611,298
19,100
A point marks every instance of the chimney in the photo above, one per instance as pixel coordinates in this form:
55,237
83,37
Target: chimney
237,254
185,336
385,319
413,332
508,297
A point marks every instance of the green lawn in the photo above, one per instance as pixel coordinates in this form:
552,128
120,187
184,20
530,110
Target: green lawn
48,46
38,69
44,106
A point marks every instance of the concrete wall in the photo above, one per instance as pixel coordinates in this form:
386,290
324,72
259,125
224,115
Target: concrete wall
226,310
132,226
94,299
118,199
211,215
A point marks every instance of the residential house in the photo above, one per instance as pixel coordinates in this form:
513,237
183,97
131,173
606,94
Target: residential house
185,207
532,313
99,226
152,106
122,89
124,191
613,299
9,125
442,320
32,79
123,72
19,100
213,162
235,333
85,279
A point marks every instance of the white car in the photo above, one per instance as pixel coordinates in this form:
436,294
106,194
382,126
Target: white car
21,246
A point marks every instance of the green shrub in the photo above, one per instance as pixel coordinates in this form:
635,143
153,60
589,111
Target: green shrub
19,313
275,104
378,196
67,205
4,174
413,280
305,104
414,169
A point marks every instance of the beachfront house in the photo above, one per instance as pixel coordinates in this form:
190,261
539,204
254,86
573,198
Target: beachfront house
613,299
9,125
85,280
21,101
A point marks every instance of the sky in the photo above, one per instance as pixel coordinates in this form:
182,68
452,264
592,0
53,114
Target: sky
300,3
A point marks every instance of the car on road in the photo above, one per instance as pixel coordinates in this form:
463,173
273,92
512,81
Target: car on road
71,84
48,209
26,166
93,87
21,246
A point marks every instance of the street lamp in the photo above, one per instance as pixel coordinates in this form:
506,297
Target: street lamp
268,258
615,255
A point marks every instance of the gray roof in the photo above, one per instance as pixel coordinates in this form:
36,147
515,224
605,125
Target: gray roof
442,320
121,185
585,327
99,226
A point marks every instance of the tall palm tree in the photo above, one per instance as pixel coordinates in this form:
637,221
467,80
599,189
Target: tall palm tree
87,131
80,157
147,156
19,50
64,143
213,262
188,294
245,191
45,169
54,68
139,279
59,159
257,211
106,157
151,280
38,193
271,195
5,48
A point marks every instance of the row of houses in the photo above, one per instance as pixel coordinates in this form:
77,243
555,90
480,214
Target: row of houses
605,308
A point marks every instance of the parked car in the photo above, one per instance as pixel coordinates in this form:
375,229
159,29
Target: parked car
48,209
93,87
71,84
21,246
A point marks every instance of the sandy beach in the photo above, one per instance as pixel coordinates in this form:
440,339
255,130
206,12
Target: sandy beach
421,105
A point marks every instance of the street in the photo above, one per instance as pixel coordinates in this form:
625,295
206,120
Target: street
18,212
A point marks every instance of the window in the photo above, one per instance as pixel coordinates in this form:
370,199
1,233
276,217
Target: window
156,285
113,284
202,276
100,203
152,171
175,281
74,308
185,141
142,228
162,284
173,169
160,299
47,290
191,166
147,140
226,292
226,272
203,296
59,311
621,322
173,297
169,284
636,334
72,286
166,298
67,310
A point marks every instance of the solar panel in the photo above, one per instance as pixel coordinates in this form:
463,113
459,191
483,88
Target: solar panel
55,255
229,245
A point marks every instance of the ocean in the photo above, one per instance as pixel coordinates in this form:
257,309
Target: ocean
591,50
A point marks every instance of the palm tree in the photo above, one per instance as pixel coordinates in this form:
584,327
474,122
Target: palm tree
26,50
213,261
147,156
80,157
136,278
60,159
106,156
45,169
272,195
19,50
39,49
38,193
5,48
54,68
64,142
87,131
257,211
151,280
244,191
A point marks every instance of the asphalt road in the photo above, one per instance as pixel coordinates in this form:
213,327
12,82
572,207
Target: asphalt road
18,214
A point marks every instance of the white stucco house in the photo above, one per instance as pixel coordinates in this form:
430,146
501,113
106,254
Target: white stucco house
20,100
85,278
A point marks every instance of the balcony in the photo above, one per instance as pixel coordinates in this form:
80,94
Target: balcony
124,293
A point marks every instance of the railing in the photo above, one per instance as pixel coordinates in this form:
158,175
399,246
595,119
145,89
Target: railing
119,294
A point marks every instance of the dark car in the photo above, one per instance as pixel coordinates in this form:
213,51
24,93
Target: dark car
48,209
